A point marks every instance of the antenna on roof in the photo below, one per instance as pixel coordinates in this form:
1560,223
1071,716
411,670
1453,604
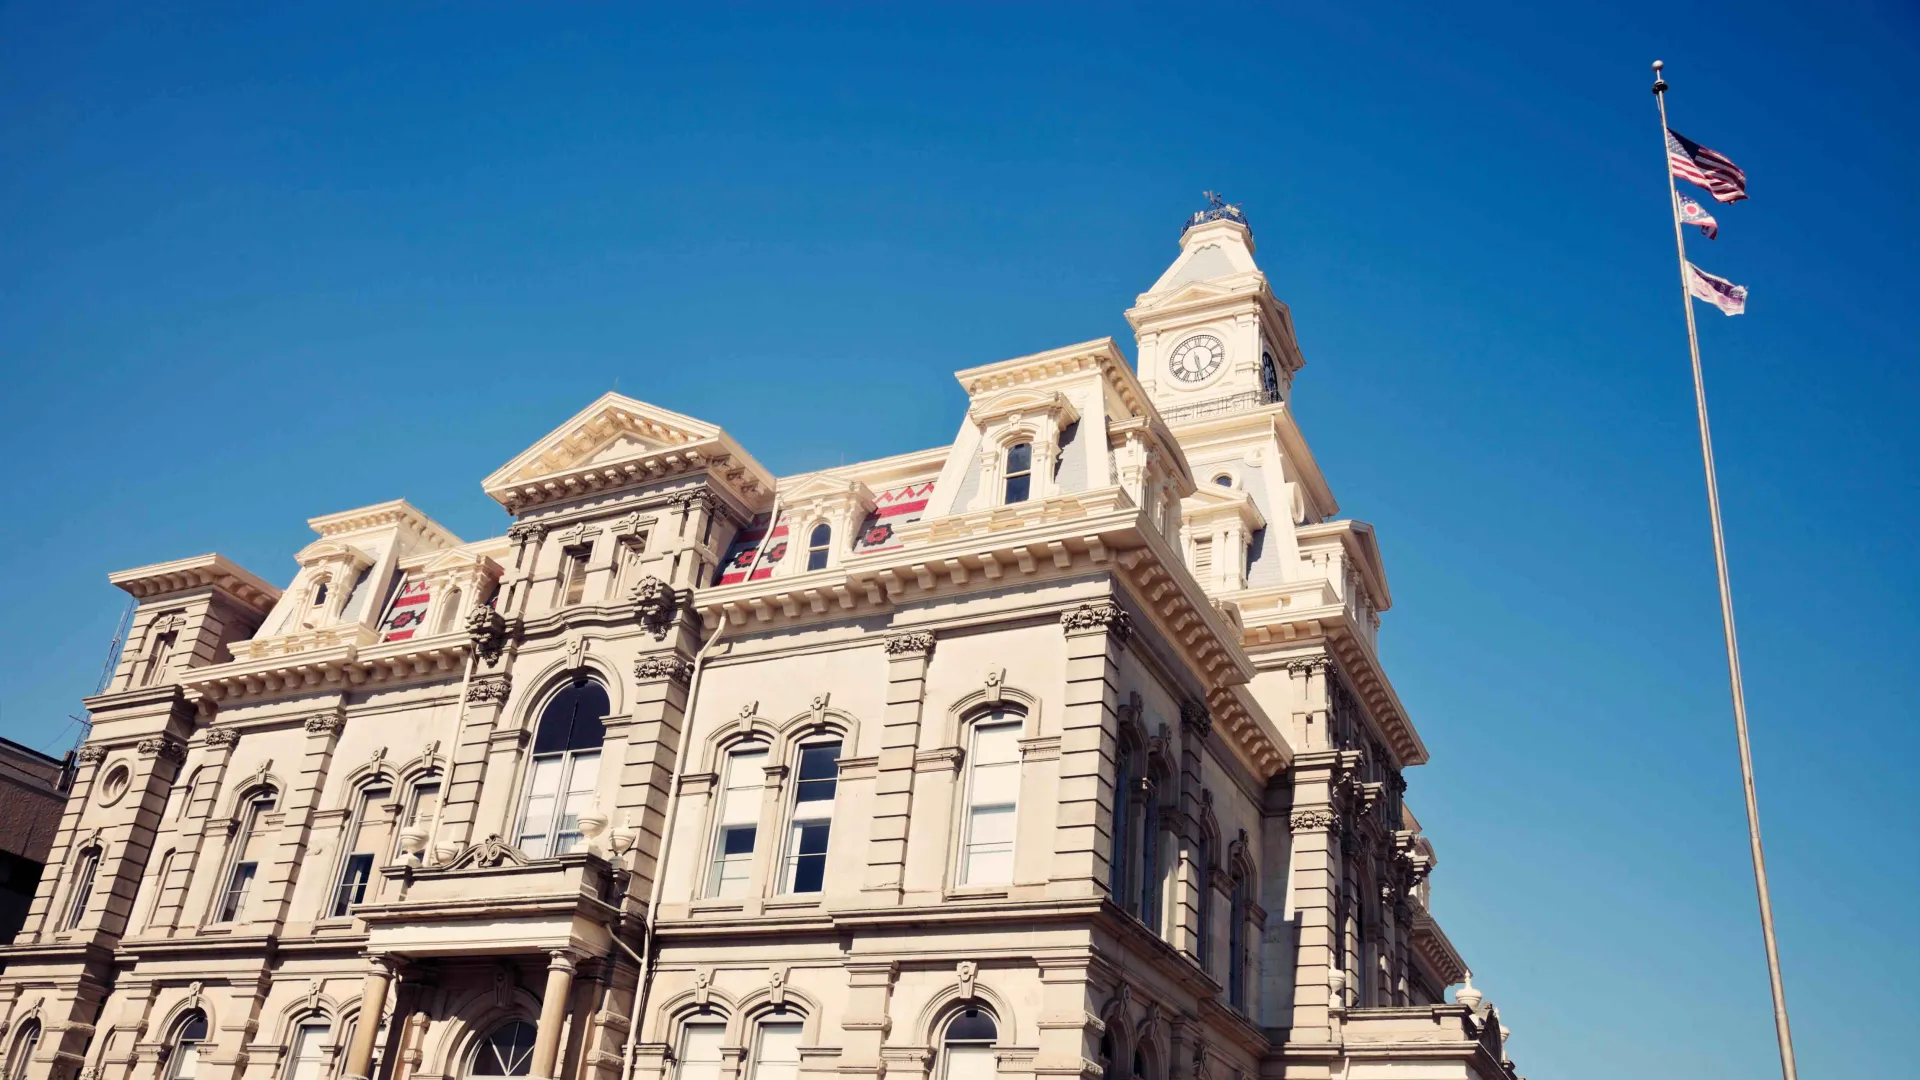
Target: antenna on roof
113,647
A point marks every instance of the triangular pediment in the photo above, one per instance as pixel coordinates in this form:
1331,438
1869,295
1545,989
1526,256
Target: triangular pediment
611,430
825,486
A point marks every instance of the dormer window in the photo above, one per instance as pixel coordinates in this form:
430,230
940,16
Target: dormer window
320,593
1019,473
819,543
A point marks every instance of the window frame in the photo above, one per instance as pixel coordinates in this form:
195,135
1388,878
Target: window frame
25,1044
1024,474
569,759
80,893
486,1042
1239,910
791,834
948,1044
571,586
230,902
997,718
178,1042
755,1056
704,1022
717,856
819,547
1203,900
366,800
297,1042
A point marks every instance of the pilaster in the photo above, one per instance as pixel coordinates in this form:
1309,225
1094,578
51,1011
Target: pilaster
908,656
298,806
1096,633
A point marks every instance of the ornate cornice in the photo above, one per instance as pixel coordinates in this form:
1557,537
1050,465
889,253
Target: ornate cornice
1101,615
201,571
673,666
913,643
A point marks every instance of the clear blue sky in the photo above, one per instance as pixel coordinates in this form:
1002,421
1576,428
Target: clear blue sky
263,262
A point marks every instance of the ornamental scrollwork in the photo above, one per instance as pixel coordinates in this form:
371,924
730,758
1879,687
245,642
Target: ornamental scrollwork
224,735
1104,615
91,754
1308,820
1195,719
910,644
676,668
488,632
654,603
161,746
700,497
489,689
522,531
324,723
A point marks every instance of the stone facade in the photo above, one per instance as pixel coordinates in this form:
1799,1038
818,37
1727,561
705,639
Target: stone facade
1063,751
33,788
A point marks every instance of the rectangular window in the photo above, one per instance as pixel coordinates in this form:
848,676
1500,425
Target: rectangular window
559,787
234,900
812,817
573,571
738,820
82,888
700,1052
1019,472
1203,560
582,780
993,796
309,1059
776,1055
367,835
972,1062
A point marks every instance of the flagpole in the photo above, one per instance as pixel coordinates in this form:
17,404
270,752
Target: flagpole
1783,1033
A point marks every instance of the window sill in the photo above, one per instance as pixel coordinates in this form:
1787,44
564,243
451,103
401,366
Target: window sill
979,892
791,902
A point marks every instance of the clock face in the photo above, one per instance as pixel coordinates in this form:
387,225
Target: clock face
1197,358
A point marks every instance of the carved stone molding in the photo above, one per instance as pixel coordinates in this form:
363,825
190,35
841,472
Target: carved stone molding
224,735
1310,820
522,531
489,689
654,604
91,754
1103,615
488,631
674,667
325,723
161,746
488,853
919,642
1195,720
700,497
1309,665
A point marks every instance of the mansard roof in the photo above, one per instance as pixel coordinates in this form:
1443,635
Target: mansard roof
617,442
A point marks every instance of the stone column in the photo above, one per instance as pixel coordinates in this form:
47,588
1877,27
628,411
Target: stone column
1089,740
907,658
646,773
864,1029
366,1033
554,1006
1316,890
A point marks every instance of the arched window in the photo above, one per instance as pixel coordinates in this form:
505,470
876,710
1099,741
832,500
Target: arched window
1203,900
1139,1063
1152,878
819,543
183,1056
82,892
1237,915
992,799
307,1057
737,825
566,769
159,654
966,1051
366,841
1107,1053
700,1055
1120,856
1019,472
776,1050
249,845
24,1046
507,1052
1269,378
449,612
811,817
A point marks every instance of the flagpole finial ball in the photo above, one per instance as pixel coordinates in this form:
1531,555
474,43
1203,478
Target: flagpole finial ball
1659,65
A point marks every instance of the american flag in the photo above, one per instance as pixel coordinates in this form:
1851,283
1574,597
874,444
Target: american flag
1692,213
1709,168
1718,291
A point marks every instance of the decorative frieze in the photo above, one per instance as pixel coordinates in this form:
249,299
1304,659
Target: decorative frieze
1103,615
489,689
916,643
673,666
1311,820
161,746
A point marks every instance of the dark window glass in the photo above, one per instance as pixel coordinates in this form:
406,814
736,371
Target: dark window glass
353,883
194,1029
1019,472
817,545
1019,457
810,861
972,1026
819,770
571,721
737,840
507,1052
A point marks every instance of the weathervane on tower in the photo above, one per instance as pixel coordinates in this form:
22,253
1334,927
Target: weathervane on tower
1218,209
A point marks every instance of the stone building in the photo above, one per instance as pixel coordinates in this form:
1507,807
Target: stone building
1061,751
33,788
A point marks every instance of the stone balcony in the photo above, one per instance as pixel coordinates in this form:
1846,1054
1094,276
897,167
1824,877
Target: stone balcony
1442,1035
491,900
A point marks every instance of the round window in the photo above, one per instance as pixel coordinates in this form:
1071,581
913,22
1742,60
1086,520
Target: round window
119,778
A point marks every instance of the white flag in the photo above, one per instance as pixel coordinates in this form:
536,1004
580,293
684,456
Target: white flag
1718,291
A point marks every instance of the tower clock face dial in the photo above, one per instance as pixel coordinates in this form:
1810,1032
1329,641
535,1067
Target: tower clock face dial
1197,358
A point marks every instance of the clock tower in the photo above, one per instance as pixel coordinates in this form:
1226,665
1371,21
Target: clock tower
1212,337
